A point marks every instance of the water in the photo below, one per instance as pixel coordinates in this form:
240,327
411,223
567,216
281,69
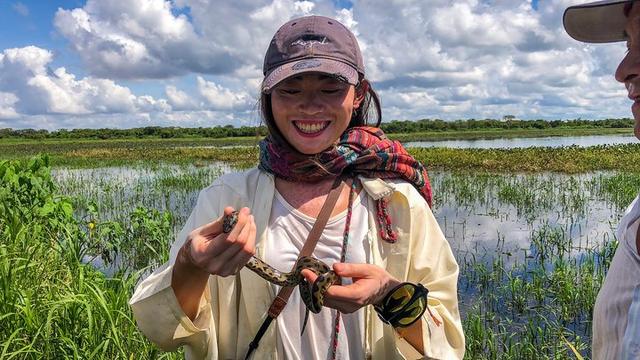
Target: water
530,247
493,214
506,143
477,213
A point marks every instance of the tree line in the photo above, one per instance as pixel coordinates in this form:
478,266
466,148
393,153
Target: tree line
396,126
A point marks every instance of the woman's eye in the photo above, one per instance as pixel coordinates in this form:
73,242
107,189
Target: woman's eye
289,91
331,91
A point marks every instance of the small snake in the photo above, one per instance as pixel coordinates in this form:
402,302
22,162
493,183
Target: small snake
312,294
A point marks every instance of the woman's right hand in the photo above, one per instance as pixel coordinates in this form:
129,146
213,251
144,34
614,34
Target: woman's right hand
209,249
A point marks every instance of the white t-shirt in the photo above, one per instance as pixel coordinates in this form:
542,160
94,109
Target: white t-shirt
287,231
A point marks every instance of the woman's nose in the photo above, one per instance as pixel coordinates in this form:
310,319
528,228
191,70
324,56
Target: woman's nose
629,67
311,104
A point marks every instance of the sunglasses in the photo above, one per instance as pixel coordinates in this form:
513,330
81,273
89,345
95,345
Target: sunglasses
404,305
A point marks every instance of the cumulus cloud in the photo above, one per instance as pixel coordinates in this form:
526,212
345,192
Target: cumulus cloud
209,96
428,59
7,105
221,98
137,39
30,87
179,100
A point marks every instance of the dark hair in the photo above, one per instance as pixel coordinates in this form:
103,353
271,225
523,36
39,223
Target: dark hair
627,8
360,117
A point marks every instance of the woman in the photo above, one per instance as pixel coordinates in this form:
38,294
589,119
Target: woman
616,316
315,101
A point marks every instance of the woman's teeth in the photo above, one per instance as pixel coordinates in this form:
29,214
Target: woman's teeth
309,128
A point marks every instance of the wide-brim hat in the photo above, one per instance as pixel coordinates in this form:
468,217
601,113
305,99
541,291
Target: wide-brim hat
312,44
597,22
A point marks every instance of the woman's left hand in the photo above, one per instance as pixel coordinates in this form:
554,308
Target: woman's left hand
370,285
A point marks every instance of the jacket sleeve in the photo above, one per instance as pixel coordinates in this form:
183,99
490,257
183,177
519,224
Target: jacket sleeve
431,263
156,308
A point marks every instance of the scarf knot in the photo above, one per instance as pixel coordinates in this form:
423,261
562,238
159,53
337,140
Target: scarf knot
362,150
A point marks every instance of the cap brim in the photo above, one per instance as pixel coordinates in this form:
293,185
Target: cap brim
596,22
310,65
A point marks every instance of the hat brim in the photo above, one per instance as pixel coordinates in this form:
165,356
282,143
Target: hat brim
330,67
597,22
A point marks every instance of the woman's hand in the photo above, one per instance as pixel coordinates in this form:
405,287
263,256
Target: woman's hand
210,250
370,285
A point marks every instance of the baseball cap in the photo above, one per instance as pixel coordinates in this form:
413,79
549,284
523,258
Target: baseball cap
597,22
312,44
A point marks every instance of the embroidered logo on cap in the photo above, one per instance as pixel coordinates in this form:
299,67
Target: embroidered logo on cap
306,64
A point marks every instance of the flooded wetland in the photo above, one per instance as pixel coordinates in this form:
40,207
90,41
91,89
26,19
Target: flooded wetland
533,247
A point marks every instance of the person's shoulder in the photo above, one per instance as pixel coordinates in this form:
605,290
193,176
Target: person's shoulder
378,188
631,214
238,181
235,177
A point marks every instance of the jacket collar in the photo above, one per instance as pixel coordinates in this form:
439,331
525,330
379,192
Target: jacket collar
377,188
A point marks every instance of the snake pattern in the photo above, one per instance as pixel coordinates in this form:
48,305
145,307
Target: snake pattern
312,294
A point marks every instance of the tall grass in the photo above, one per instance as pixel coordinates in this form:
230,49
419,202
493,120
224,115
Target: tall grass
75,242
53,304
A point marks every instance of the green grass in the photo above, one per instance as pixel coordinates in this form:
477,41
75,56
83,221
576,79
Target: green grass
89,154
54,304
506,133
516,302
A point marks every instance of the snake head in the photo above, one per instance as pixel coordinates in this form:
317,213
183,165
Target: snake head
229,221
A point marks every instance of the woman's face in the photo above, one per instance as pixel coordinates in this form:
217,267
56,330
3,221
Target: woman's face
313,110
628,71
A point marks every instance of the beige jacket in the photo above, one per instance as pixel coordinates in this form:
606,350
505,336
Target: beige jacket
232,308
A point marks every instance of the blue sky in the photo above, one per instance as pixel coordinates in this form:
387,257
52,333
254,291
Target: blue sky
109,63
30,23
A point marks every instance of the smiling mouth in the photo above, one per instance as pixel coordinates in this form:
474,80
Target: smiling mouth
310,127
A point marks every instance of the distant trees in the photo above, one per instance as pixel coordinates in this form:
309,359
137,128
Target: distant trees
396,126
145,132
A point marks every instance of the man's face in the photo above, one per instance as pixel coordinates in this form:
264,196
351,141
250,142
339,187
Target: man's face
628,71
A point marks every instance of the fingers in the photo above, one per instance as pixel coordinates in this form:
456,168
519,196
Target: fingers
214,228
224,254
347,299
353,270
370,283
351,293
238,247
242,242
224,241
309,275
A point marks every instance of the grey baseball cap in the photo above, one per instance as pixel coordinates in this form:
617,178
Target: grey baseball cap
312,44
597,22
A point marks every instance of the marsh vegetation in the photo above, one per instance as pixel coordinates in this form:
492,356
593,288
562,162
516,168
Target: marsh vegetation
532,230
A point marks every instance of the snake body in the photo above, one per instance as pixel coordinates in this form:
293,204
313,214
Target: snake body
312,294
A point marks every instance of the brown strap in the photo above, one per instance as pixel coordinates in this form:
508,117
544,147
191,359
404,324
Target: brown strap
280,300
307,249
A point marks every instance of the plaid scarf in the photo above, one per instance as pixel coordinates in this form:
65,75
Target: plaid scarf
361,150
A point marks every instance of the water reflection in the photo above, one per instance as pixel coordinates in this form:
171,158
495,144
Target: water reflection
482,214
532,248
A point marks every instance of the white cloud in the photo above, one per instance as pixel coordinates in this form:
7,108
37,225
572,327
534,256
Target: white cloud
436,58
179,100
139,39
219,98
7,105
37,89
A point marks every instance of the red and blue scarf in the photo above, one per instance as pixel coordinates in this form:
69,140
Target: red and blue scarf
361,150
